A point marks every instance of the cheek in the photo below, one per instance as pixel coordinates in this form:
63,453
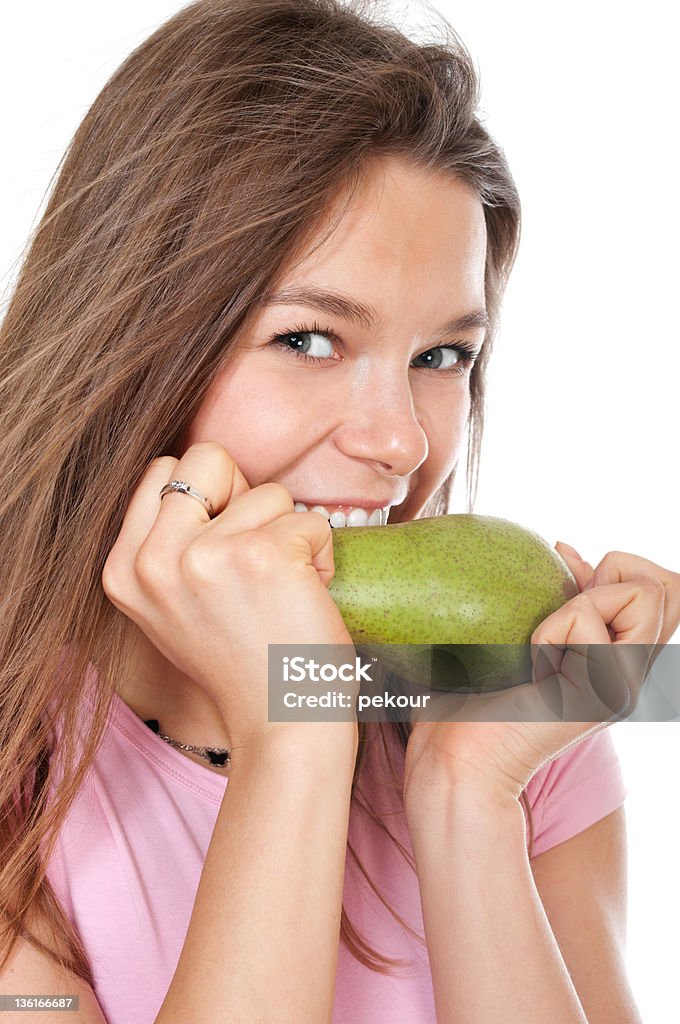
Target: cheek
253,419
445,426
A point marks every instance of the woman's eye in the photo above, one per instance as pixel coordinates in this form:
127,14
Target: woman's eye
444,357
313,344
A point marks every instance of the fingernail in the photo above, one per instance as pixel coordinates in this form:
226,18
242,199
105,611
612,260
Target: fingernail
572,551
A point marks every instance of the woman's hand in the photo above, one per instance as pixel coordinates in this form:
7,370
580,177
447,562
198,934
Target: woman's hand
211,594
628,607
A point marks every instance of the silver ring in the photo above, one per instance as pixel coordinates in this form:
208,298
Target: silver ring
184,488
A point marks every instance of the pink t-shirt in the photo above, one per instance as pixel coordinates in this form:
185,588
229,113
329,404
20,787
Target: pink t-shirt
129,858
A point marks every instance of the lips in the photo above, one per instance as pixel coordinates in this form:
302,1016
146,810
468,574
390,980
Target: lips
356,502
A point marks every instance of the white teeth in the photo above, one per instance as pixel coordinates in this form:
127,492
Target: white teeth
357,516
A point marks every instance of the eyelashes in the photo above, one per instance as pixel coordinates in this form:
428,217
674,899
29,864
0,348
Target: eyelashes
466,351
283,338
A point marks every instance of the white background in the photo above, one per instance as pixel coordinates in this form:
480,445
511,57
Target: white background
581,435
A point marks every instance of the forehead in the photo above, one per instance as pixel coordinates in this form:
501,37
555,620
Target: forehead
401,218
406,232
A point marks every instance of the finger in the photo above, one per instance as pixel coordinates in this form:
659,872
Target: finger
576,622
633,609
142,510
309,535
581,569
257,507
619,567
146,508
613,672
546,660
210,469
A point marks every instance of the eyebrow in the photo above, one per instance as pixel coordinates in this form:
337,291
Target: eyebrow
350,309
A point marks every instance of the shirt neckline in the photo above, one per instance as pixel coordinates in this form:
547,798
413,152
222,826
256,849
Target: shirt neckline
170,760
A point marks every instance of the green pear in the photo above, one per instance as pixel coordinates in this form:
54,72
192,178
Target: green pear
449,602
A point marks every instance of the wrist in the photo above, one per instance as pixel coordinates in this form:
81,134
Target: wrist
471,803
300,744
469,827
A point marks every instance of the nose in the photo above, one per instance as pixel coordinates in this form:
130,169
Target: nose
379,424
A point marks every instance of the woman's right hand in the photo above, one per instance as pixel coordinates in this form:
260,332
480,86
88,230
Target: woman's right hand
211,594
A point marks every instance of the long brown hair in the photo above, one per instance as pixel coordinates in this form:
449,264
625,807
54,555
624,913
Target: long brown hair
207,161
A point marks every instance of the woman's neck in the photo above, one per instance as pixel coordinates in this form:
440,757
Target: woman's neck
155,688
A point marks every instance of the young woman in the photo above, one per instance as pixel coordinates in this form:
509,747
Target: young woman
270,273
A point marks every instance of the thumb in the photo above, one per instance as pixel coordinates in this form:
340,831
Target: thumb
581,569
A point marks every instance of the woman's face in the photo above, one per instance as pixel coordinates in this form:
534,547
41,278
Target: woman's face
378,417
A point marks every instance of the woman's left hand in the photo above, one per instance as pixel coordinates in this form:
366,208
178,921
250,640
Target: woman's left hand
625,600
